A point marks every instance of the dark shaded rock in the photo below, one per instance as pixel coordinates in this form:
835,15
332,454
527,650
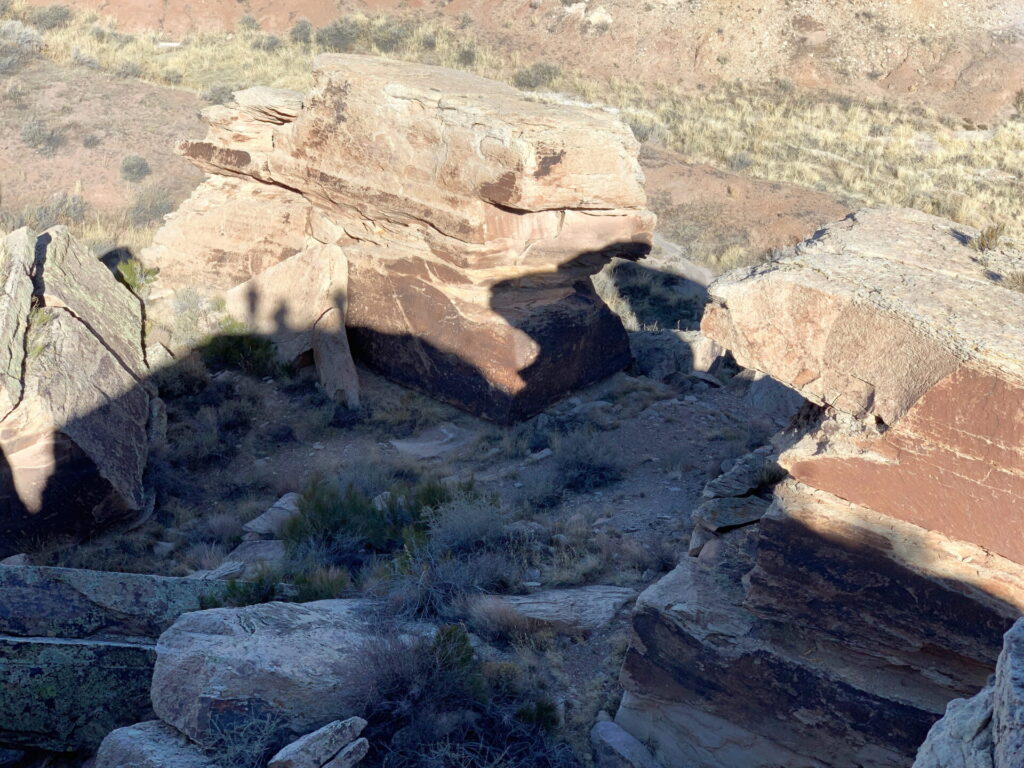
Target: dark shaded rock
67,694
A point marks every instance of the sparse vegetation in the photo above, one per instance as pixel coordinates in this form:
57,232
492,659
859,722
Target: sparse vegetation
1014,281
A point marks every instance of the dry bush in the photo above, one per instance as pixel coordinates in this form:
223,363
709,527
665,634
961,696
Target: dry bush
431,703
988,238
496,620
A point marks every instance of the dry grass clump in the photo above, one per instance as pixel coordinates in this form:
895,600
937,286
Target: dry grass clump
988,238
1014,281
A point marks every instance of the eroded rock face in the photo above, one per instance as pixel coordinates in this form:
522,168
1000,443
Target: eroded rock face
470,217
77,650
888,318
76,414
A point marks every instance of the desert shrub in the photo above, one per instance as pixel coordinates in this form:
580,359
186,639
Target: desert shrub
134,168
323,583
498,621
301,32
50,17
129,70
585,464
219,93
467,57
539,75
18,44
392,36
81,59
185,378
342,524
41,136
431,703
342,36
246,742
248,23
149,205
988,238
268,43
234,348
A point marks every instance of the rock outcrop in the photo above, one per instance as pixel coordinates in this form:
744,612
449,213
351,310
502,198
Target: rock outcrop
987,730
912,342
77,650
469,215
832,625
76,414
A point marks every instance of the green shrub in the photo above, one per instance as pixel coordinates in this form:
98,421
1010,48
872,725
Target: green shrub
248,23
431,703
539,75
233,347
42,137
342,36
392,36
129,70
134,168
50,17
268,43
219,94
135,275
301,32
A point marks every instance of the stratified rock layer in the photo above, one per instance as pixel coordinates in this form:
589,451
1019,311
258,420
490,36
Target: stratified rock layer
889,317
75,412
470,217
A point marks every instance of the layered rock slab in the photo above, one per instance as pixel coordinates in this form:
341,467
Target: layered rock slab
825,635
76,415
471,218
889,319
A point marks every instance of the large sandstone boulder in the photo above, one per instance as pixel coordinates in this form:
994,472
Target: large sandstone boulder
888,318
987,730
832,627
77,650
297,665
470,217
76,414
